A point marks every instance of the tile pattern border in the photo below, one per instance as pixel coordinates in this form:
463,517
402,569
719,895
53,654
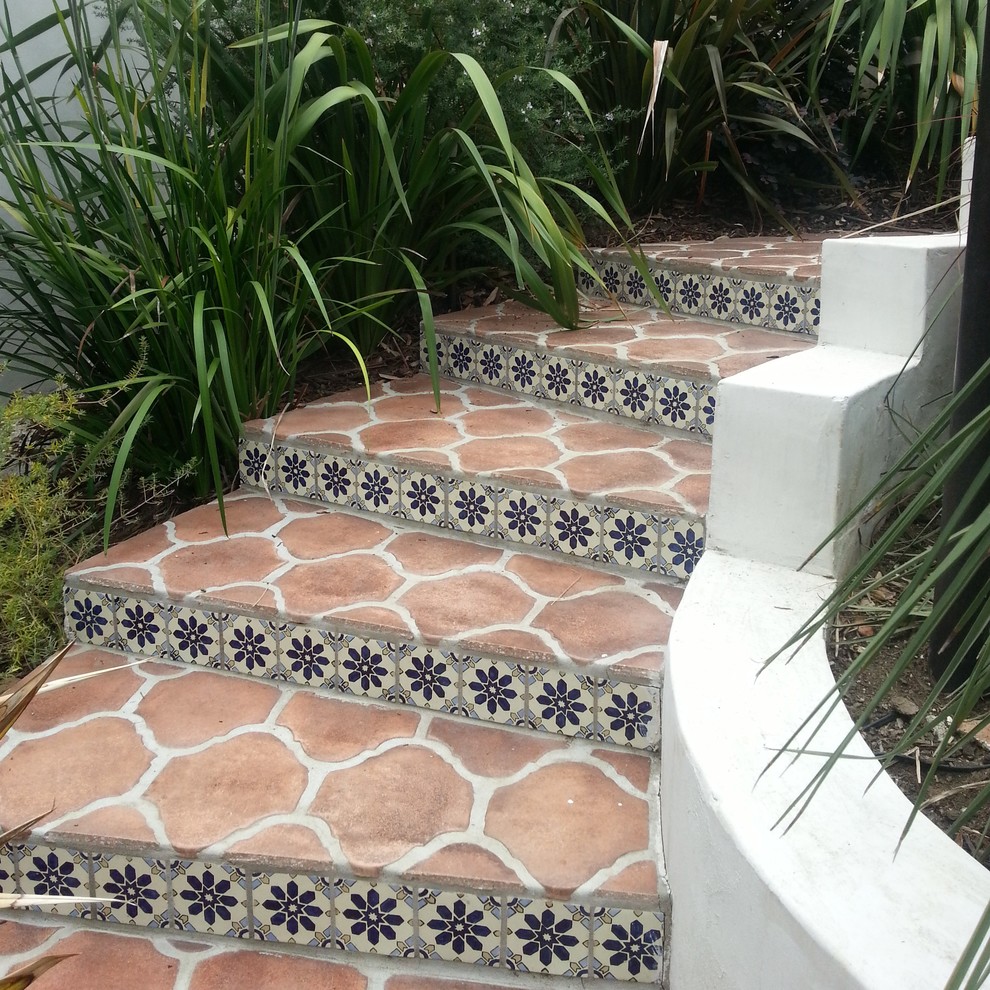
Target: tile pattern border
342,914
581,704
612,535
794,306
625,391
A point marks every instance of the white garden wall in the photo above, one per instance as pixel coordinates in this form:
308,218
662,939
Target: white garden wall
832,903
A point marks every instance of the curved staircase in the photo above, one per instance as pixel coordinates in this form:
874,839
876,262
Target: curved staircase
401,721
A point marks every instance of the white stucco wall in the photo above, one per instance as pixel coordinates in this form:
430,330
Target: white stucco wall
832,904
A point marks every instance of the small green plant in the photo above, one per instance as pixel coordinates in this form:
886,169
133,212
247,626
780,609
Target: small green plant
44,528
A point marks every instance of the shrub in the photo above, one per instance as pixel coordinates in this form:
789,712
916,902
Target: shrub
43,528
210,221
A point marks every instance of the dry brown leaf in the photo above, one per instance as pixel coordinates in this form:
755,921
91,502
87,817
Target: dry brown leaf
22,978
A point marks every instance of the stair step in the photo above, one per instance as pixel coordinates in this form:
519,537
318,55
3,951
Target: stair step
366,606
124,959
639,364
766,282
238,808
496,465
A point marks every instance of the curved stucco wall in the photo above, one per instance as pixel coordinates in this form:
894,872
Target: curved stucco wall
831,903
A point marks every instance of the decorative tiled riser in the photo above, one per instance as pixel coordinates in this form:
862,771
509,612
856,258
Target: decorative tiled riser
678,403
540,698
793,306
606,534
152,890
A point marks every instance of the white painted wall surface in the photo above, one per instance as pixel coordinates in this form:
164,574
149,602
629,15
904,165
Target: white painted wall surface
831,904
800,440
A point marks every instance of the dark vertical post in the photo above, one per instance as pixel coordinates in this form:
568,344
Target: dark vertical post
972,352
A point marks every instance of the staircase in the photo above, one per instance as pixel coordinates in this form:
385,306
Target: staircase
403,719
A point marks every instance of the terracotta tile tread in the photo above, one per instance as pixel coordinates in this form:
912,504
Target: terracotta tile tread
234,807
125,959
632,363
362,606
774,284
493,436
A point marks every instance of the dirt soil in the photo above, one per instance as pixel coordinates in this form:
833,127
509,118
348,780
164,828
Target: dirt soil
966,772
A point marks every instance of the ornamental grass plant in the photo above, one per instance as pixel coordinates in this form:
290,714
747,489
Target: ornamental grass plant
197,220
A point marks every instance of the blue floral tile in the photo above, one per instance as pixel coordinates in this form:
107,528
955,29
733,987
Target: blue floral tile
547,937
423,498
664,283
429,678
459,927
558,381
194,637
522,517
675,404
561,702
612,275
250,645
595,386
704,406
461,361
473,508
89,617
295,472
491,364
308,656
291,908
493,691
373,917
629,714
444,343
681,548
753,303
690,293
9,856
786,307
136,890
634,287
629,538
142,627
257,464
366,667
376,489
720,298
209,898
628,945
524,371
53,872
634,395
814,314
335,479
573,528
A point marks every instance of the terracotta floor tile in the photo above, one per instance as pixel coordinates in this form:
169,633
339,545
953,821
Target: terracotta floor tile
197,567
463,864
297,845
492,753
391,803
507,422
315,537
201,524
127,826
246,778
552,809
424,553
252,969
325,735
111,962
212,705
31,782
507,452
66,703
589,627
637,880
418,434
555,579
466,602
314,588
